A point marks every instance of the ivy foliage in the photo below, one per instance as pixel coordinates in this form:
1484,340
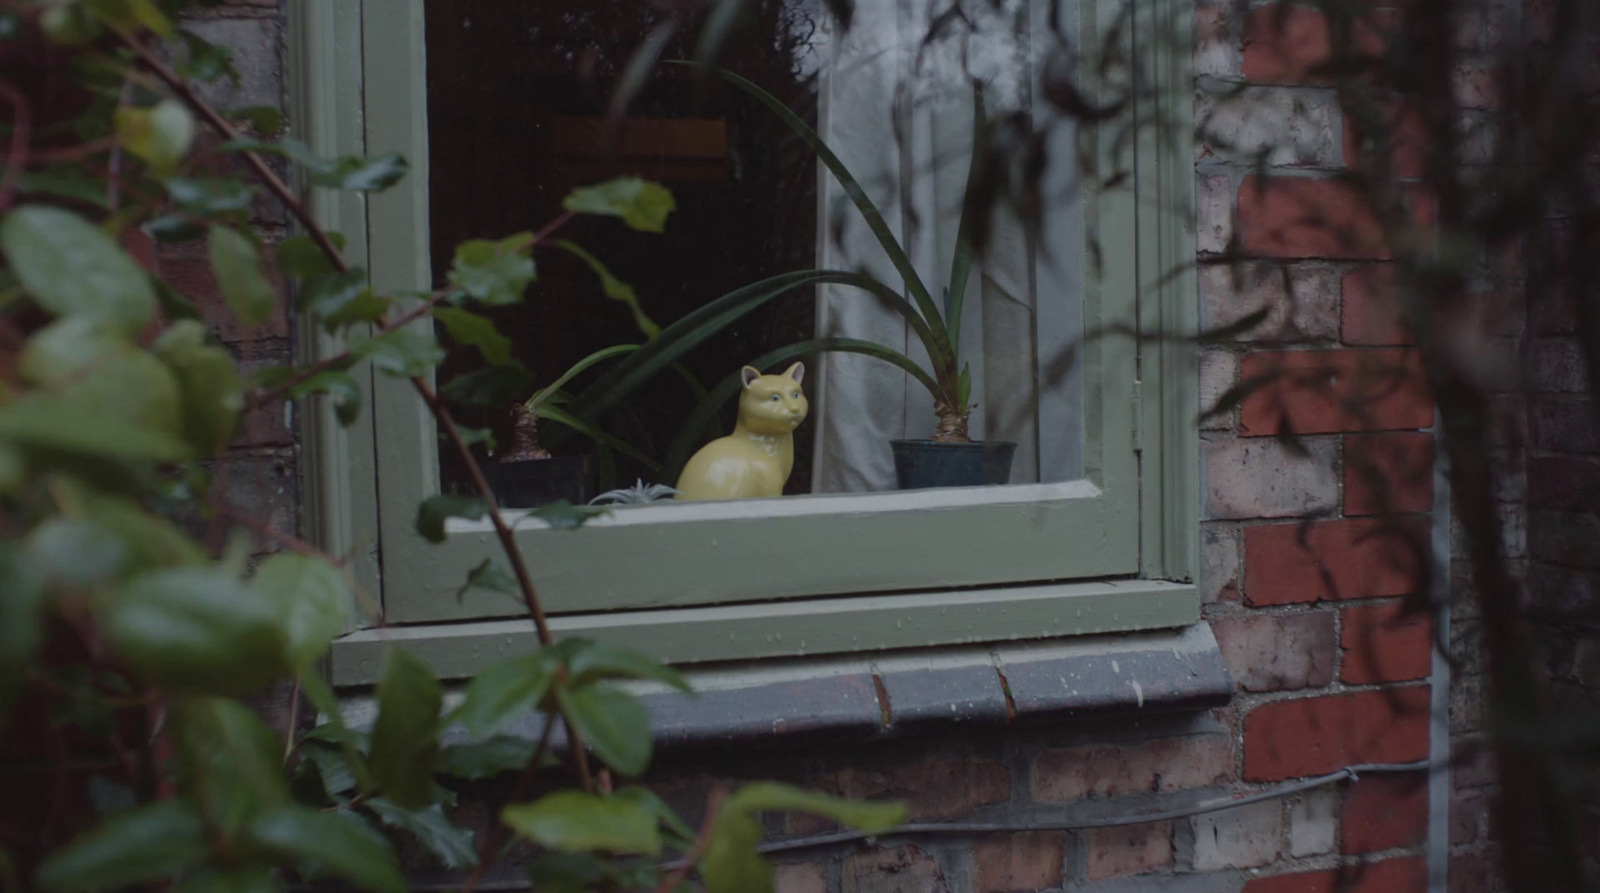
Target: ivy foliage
114,418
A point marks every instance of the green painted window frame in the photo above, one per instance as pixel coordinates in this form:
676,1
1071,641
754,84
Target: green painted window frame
1115,551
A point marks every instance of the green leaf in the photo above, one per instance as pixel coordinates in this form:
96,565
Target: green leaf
91,371
160,134
405,735
74,553
151,542
228,761
195,629
641,204
491,576
731,863
312,600
504,690
452,845
480,760
477,331
237,265
936,338
768,796
266,120
130,848
613,723
434,510
69,24
51,423
571,873
328,291
964,388
489,387
208,379
301,256
70,268
206,61
333,766
68,349
331,843
665,814
615,288
572,821
604,353
132,14
169,228
340,388
208,198
404,352
356,174
589,662
494,272
354,745
550,413
64,182
563,515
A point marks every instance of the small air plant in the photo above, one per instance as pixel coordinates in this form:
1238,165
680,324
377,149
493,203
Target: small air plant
638,494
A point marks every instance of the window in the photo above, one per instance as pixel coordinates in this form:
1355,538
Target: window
1096,532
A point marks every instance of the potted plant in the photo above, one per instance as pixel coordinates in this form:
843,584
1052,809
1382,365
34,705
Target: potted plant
950,457
525,474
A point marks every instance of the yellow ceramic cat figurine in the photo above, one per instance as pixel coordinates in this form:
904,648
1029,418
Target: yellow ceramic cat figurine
755,460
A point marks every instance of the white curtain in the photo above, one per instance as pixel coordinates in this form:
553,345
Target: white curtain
899,112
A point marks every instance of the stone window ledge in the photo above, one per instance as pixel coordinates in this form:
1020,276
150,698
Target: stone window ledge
907,693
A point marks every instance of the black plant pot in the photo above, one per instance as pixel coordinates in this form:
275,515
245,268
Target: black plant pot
534,482
919,464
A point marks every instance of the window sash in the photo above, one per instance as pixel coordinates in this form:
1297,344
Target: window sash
793,549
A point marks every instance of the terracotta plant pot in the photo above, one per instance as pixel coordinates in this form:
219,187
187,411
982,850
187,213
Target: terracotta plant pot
919,464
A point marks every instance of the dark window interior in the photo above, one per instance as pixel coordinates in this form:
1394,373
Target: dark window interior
517,98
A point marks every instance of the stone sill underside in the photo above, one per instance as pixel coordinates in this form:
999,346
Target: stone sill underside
909,693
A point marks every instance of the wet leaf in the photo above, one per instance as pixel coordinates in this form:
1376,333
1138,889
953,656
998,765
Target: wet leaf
405,735
134,847
434,510
614,724
469,328
71,267
237,265
494,272
503,691
450,844
641,204
572,821
312,600
331,843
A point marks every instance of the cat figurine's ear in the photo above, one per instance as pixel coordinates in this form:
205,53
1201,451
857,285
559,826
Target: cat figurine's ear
796,372
749,374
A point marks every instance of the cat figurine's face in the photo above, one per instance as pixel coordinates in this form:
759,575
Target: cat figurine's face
772,404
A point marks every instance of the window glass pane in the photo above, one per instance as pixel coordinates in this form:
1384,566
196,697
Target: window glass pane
517,99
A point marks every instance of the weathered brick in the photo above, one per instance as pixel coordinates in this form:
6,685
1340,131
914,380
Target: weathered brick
936,787
1285,127
1475,85
1405,875
1381,812
1386,473
1215,224
1405,138
1314,823
1129,849
1287,563
1469,811
1311,736
264,486
1565,425
188,270
1301,300
1277,652
1384,643
908,869
1108,770
1564,483
1219,371
1011,863
1559,366
1221,548
1565,538
1314,217
1370,310
1322,391
1215,53
1262,478
808,877
1287,44
255,44
1243,837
